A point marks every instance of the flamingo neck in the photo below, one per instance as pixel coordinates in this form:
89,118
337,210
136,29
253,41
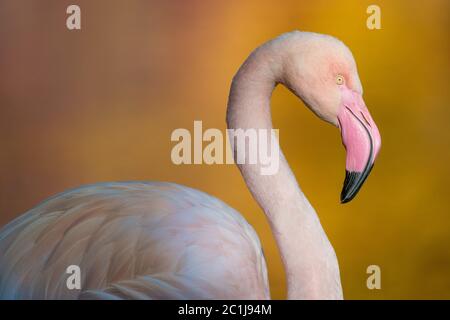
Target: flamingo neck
309,260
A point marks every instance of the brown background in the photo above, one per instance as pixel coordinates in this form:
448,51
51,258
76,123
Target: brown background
100,104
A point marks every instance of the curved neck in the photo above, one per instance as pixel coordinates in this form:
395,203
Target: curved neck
309,260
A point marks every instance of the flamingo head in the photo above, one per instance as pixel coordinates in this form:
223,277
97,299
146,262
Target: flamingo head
321,70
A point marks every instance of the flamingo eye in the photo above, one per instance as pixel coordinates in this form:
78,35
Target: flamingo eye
340,79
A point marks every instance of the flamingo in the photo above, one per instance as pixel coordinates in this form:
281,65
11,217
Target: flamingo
159,240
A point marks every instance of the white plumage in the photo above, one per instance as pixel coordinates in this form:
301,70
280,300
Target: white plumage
132,240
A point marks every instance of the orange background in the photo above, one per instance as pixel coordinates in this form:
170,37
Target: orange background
99,104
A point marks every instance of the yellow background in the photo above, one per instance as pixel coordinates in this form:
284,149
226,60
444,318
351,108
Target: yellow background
99,104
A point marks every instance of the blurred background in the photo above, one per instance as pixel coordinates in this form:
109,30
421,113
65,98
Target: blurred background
79,107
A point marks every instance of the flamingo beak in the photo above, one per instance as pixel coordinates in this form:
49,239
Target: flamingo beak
361,139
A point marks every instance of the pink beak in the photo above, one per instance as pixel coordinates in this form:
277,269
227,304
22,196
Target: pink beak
361,139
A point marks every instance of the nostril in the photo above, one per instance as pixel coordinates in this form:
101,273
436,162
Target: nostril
365,119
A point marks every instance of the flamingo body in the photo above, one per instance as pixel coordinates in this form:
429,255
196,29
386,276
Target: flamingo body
132,240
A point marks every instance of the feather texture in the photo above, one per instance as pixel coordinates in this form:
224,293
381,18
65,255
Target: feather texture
132,240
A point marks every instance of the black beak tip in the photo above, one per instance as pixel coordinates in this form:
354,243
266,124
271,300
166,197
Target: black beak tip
353,183
345,198
349,187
